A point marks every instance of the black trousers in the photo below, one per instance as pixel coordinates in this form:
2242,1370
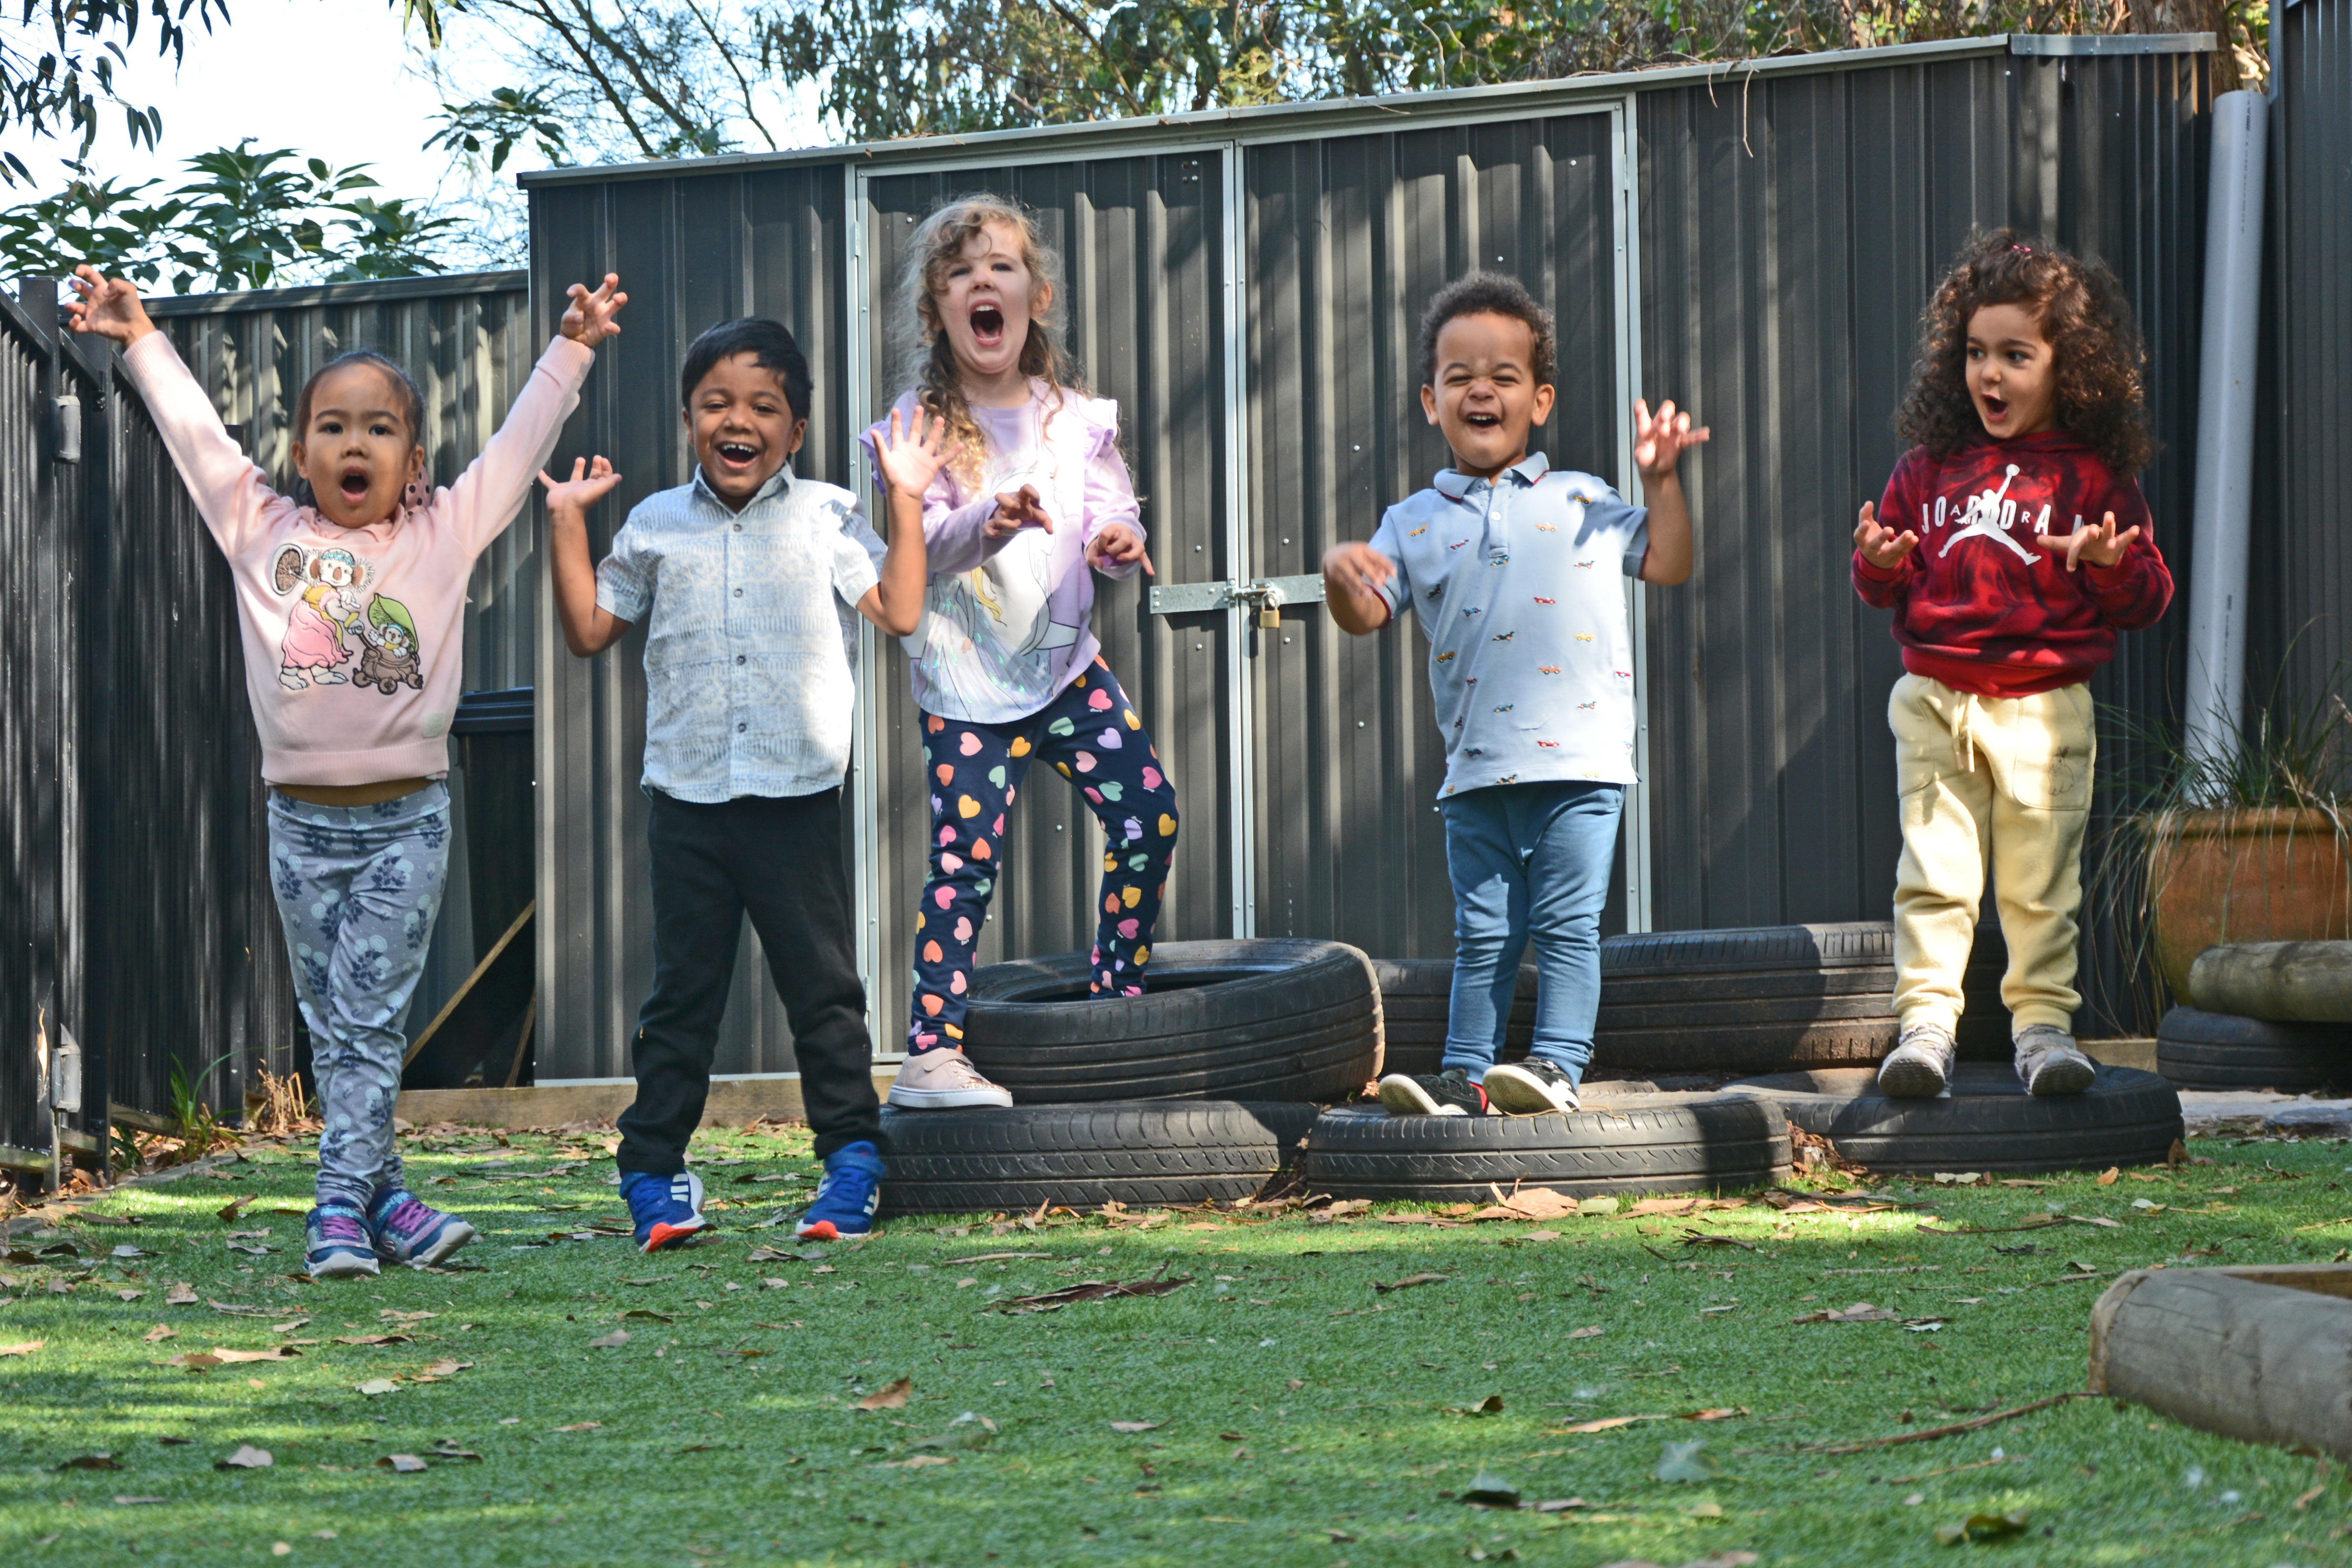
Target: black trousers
780,862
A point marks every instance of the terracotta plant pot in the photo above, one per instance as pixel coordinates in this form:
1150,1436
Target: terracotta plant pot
2273,875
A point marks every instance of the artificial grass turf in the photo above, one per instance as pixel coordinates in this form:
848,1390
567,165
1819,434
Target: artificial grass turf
1305,1417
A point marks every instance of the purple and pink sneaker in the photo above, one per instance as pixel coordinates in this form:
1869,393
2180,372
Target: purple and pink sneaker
336,1244
408,1229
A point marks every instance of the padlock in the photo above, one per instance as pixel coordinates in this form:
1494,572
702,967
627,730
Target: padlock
1270,617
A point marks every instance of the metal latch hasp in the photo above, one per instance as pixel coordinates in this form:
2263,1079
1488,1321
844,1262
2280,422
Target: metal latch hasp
1266,596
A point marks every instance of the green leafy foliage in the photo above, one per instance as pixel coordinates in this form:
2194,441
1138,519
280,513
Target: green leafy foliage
57,60
243,218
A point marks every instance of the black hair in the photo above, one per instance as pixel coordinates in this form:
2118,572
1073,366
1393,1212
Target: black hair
1488,294
771,348
411,397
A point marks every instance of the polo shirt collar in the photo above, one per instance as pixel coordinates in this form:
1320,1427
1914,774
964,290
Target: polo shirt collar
778,483
1527,470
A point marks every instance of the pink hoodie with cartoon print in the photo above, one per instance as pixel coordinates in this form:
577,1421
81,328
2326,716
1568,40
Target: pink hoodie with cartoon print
353,636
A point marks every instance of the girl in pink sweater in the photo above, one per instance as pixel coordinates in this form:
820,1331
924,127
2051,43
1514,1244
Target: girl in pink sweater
352,597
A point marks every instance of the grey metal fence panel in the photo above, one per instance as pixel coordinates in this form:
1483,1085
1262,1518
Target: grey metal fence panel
1142,240
1792,231
188,963
41,508
2301,580
691,251
1348,238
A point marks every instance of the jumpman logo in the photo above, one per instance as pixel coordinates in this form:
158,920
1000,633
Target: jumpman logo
1981,520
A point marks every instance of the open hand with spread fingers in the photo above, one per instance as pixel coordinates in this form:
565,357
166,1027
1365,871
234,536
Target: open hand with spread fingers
107,305
1118,545
589,484
2101,546
1017,510
588,321
1882,547
1659,441
913,454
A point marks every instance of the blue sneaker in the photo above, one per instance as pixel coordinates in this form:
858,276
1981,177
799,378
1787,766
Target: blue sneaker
668,1209
336,1244
847,1197
408,1229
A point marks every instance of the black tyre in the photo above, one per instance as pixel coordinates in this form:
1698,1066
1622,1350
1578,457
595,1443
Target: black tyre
1415,995
1139,1153
1279,1019
2215,1050
1771,998
1642,1144
1987,1124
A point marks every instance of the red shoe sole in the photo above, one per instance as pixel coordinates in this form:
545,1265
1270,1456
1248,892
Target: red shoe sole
821,1231
662,1236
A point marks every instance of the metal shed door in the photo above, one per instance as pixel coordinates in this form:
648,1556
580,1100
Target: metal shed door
1345,241
1144,244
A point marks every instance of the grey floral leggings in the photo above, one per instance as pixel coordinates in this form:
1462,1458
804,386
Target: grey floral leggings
359,887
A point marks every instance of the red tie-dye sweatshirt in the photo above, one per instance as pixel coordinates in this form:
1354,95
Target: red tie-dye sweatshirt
1980,606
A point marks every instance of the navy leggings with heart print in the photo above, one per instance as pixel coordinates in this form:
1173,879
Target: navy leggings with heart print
1092,735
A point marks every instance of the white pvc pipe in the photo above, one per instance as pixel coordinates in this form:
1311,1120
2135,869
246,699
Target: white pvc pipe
2222,512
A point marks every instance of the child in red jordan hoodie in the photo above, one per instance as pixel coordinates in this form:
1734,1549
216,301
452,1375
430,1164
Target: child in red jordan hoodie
2012,544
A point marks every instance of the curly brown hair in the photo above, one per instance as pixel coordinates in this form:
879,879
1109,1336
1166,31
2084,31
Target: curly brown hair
2087,322
922,340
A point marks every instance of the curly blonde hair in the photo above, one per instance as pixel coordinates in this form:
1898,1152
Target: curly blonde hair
2084,314
923,347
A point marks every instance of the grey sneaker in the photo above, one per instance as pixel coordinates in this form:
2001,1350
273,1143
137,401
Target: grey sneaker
2049,1062
1920,1065
1532,1088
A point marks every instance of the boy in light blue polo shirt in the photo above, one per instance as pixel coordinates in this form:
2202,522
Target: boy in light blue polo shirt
1513,568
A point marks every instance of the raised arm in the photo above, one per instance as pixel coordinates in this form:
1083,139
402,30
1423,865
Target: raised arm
589,628
905,460
230,492
486,496
1658,446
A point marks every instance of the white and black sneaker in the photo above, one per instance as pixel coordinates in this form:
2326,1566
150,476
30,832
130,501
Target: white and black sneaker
1920,1065
1532,1088
1447,1093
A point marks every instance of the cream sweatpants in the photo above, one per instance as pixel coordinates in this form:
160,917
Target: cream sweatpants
1991,783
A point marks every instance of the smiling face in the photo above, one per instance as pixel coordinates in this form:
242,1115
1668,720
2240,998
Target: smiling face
1485,398
2011,371
357,450
984,304
744,427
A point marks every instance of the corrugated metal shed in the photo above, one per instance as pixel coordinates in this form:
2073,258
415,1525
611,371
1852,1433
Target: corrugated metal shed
2301,614
1753,241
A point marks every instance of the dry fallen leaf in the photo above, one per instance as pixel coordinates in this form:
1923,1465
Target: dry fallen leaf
612,1340
26,1347
91,1462
377,1385
121,1501
180,1296
275,1353
158,1333
445,1368
247,1457
581,1426
1408,1282
372,1338
404,1464
1584,1334
195,1360
1136,1426
233,1210
892,1396
2107,1177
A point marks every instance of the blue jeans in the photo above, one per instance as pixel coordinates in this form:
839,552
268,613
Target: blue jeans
1528,861
359,887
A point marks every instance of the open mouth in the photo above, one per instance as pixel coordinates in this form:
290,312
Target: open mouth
355,485
1481,419
987,325
1996,409
737,454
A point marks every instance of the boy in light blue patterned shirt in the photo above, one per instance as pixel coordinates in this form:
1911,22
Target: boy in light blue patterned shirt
1513,569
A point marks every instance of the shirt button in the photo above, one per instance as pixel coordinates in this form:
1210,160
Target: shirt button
738,659
739,528
739,593
741,728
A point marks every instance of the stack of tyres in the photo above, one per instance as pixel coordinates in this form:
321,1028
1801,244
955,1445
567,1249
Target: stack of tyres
1199,1090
